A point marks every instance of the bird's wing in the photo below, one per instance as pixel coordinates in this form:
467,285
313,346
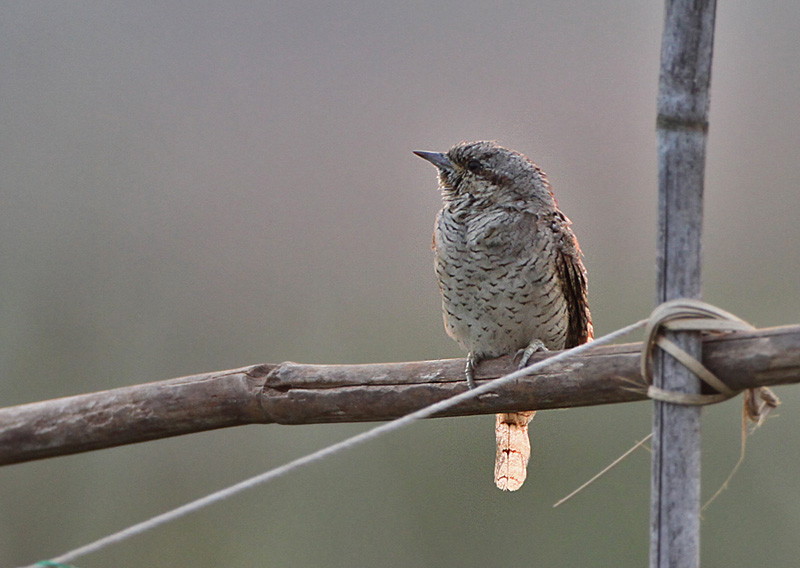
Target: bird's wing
572,276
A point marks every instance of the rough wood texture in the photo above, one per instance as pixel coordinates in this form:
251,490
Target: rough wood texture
684,80
291,393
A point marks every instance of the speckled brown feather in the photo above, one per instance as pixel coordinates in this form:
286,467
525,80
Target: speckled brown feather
572,276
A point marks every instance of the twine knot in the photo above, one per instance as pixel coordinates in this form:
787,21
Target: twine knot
693,315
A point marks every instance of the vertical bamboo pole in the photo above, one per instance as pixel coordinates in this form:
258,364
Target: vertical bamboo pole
682,127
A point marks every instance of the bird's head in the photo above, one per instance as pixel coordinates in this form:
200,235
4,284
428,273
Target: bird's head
484,171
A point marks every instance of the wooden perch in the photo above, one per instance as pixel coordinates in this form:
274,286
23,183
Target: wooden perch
292,393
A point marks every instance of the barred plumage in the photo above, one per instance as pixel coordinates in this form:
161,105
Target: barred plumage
509,270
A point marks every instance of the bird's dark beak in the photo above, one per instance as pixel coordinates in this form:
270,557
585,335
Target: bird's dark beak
438,159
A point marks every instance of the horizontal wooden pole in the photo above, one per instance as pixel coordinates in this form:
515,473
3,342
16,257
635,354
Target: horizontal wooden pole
292,393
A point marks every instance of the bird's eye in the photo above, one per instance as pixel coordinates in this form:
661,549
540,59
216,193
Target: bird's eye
474,166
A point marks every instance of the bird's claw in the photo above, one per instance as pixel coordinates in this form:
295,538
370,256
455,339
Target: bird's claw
469,370
524,355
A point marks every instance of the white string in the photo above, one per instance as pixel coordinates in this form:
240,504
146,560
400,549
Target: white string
333,449
603,471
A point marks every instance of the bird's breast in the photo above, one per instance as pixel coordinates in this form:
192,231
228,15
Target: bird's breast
499,284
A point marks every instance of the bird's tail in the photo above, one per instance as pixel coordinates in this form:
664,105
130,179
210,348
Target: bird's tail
513,449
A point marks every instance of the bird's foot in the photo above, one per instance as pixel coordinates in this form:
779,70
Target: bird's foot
524,355
469,371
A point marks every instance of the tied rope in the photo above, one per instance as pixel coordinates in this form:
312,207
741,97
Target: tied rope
693,315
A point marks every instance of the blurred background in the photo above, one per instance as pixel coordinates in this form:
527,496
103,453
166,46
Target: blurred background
192,187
